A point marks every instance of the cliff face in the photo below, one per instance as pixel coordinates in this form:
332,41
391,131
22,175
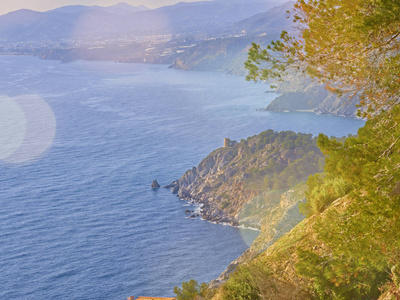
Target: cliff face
302,94
256,183
219,185
239,184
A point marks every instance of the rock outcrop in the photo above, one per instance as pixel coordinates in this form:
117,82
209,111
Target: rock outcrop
301,94
155,184
238,184
252,184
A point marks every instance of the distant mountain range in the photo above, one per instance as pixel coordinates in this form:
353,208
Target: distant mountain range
211,36
229,54
226,55
118,9
273,20
95,21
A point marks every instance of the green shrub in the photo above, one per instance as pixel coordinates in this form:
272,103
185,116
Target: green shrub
190,289
322,192
250,282
358,249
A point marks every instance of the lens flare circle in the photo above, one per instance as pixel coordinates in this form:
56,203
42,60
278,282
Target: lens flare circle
12,126
34,126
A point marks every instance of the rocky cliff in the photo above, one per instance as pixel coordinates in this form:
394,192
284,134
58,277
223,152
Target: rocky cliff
256,183
301,94
238,184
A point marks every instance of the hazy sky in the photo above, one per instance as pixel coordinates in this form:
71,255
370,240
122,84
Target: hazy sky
43,5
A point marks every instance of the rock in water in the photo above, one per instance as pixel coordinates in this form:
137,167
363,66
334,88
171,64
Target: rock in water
174,186
155,185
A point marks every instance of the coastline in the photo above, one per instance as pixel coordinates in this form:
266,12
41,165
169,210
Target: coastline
232,266
200,206
63,56
207,209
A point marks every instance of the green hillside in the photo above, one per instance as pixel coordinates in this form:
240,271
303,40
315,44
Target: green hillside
348,246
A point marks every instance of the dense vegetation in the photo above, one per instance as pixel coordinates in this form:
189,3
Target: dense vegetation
364,242
249,282
356,254
303,158
192,289
349,246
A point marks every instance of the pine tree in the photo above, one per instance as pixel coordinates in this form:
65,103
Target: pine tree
351,46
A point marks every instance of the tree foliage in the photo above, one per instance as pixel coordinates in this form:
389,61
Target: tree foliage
362,238
351,46
305,158
190,289
322,192
249,282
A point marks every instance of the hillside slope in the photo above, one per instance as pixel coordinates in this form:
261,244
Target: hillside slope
225,54
256,183
347,247
233,183
229,54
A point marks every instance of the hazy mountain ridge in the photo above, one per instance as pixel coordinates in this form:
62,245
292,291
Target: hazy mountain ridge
119,9
226,55
229,54
96,21
269,21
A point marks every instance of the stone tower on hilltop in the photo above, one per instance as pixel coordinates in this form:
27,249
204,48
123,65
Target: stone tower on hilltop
229,143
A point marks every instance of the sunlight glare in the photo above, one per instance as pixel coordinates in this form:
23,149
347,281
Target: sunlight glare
12,126
27,130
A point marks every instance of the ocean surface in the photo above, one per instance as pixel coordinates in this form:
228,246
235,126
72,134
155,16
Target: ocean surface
78,218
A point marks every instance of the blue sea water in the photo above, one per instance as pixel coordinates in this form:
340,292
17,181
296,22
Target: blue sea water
80,221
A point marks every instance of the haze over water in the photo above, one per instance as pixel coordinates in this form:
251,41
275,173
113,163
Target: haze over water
80,221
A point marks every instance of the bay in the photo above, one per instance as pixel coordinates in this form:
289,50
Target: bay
80,221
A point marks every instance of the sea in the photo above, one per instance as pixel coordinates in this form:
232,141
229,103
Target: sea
81,143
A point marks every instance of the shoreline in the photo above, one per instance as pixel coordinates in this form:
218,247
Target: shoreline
200,205
169,64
